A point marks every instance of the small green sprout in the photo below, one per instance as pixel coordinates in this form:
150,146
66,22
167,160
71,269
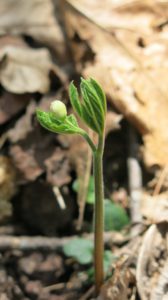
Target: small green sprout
91,109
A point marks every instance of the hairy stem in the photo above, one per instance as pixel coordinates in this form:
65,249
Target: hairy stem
99,214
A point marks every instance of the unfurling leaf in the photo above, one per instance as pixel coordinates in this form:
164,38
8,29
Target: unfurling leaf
50,122
74,98
92,108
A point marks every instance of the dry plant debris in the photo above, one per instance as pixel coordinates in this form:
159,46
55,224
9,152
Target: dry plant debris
127,50
152,264
35,19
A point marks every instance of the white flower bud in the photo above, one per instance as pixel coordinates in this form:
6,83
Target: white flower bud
58,108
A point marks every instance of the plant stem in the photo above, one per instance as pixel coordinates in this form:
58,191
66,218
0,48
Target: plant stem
99,214
88,140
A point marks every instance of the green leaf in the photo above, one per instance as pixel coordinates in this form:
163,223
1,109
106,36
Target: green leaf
93,104
115,216
89,89
92,109
100,93
48,121
74,98
88,119
72,120
81,249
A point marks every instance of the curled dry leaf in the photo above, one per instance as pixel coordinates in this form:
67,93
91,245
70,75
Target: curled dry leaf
117,287
152,264
130,61
33,18
25,70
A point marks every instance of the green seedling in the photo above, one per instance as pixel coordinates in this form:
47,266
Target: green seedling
91,109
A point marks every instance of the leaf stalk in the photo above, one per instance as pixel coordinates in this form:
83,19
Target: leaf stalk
99,213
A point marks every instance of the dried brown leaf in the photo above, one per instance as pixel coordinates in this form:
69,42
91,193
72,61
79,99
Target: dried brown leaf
33,18
34,151
152,264
25,70
155,208
11,104
117,287
130,52
24,125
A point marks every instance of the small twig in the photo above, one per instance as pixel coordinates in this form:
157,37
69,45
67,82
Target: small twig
59,197
83,186
161,180
26,243
135,178
54,287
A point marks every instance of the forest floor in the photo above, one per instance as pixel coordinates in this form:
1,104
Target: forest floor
46,183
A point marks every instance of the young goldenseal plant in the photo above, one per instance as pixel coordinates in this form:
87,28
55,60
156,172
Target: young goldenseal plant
91,109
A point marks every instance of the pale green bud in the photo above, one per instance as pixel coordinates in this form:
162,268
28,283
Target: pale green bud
59,110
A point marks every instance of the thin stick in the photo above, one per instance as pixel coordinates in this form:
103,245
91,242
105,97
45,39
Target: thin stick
59,197
160,181
135,178
54,287
83,185
27,243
